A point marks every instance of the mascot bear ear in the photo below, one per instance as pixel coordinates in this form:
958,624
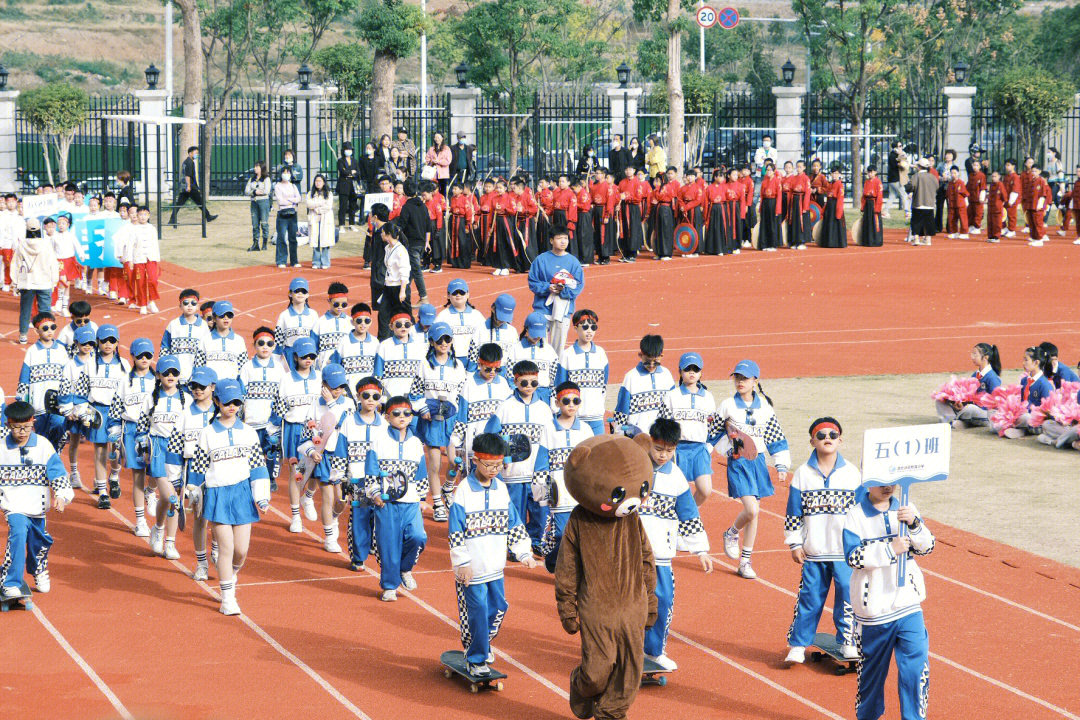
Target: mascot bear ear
644,441
579,456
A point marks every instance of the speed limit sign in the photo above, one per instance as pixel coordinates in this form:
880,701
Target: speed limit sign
706,16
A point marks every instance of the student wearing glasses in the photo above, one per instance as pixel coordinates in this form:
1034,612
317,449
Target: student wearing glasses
562,436
533,347
356,350
226,352
332,325
297,398
187,336
691,405
398,360
586,364
349,457
160,437
295,321
133,401
441,378
465,320
643,390
43,370
524,413
481,394
228,472
822,490
261,377
199,413
80,315
74,406
105,377
399,528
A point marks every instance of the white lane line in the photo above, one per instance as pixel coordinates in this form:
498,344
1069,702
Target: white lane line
353,576
254,627
402,591
83,665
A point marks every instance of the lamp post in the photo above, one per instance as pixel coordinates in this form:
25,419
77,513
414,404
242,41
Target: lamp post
787,72
303,75
152,77
461,71
960,72
3,77
623,74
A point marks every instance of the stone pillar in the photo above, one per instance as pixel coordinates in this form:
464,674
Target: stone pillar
463,102
307,129
155,171
958,122
8,161
789,122
624,112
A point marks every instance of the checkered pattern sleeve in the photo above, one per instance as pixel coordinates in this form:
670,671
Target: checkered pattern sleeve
474,353
256,458
922,540
665,410
618,419
200,356
143,426
4,432
176,443
516,535
339,465
777,444
715,427
857,557
82,387
279,339
241,360
279,406
416,390
553,371
200,463
22,390
793,525
116,409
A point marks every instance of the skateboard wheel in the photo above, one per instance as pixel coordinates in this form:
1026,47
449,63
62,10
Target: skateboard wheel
473,688
661,681
446,674
498,686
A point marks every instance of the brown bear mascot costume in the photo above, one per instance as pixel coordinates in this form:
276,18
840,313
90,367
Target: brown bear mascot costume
605,578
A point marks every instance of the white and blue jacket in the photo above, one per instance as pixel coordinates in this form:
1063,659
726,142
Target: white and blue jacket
505,336
292,325
875,595
694,413
66,337
226,355
194,421
439,383
397,364
483,527
134,398
329,331
354,438
188,342
105,379
261,381
641,396
357,357
817,507
29,475
545,358
466,327
589,369
298,396
227,456
478,400
759,422
515,417
394,451
560,442
670,516
43,369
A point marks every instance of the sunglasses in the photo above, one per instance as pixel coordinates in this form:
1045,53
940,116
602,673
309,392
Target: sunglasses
301,291
189,303
80,321
444,340
831,435
88,342
309,356
570,401
142,356
528,383
171,373
196,386
233,403
108,340
265,343
492,368
401,413
339,304
402,324
225,315
362,321
46,328
459,292
651,362
371,396
691,368
588,326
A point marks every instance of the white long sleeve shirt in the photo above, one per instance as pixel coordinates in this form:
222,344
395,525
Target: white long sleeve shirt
226,354
261,380
465,326
357,357
560,442
483,526
817,507
670,516
590,370
30,475
759,422
187,341
397,364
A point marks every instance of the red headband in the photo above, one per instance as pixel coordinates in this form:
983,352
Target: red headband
399,403
373,386
358,313
492,364
264,332
487,456
568,391
825,424
338,295
396,315
44,319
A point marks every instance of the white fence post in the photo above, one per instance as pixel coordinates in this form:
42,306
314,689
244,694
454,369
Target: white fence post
789,122
8,159
958,120
463,101
152,104
624,112
307,129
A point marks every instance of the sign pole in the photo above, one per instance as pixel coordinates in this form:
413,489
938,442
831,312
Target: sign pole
701,39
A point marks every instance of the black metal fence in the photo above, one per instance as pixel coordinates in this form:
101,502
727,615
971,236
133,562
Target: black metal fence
1001,139
564,125
252,128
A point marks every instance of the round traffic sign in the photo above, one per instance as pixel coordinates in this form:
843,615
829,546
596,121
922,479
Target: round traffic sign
728,18
706,16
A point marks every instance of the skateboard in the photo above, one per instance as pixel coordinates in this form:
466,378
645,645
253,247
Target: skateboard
22,602
742,445
653,674
453,662
322,431
826,645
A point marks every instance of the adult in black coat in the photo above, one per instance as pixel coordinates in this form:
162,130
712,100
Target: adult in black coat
415,223
618,157
348,173
462,160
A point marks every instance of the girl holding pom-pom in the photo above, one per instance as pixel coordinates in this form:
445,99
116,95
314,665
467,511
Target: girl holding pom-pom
984,357
1034,386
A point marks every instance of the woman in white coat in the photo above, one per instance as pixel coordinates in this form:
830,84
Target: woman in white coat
320,214
35,273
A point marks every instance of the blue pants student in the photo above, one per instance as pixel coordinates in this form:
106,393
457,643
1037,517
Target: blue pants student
271,452
481,609
529,510
359,533
53,428
553,532
399,532
656,635
813,590
27,548
907,638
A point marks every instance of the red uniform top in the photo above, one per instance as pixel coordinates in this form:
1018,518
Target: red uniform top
956,194
460,207
474,207
820,184
546,199
836,190
626,189
772,187
667,193
748,188
1074,196
1027,190
1013,184
976,186
506,203
935,173
1042,190
399,202
872,191
691,197
436,207
733,192
785,187
584,201
487,202
800,191
996,196
526,204
642,191
564,199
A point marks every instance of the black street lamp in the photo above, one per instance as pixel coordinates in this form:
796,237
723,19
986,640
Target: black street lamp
787,71
623,73
3,77
152,77
304,76
960,72
461,71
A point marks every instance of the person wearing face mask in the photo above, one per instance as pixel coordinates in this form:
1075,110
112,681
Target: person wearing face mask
462,160
287,198
189,186
288,162
618,157
765,153
587,162
348,191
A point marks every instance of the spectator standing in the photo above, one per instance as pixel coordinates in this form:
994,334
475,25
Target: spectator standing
618,157
407,150
637,155
287,197
369,174
189,186
655,157
124,187
943,182
395,293
36,273
462,160
415,223
438,156
320,214
765,153
898,158
380,215
383,155
974,153
587,162
288,160
258,189
348,175
923,187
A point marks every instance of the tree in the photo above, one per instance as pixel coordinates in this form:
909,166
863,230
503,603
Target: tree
193,67
700,94
852,42
670,13
1033,101
277,35
318,16
56,111
347,66
393,29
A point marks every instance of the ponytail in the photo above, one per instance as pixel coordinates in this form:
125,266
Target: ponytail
1043,359
761,392
992,357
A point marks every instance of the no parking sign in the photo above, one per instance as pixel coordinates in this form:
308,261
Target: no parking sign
728,18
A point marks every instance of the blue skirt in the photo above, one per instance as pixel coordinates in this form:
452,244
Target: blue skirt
230,505
434,433
101,435
749,477
160,457
132,460
77,428
693,460
291,437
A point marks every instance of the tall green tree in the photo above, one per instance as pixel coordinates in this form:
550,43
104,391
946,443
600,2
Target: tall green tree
318,16
393,29
348,66
191,21
56,111
700,91
670,13
1033,101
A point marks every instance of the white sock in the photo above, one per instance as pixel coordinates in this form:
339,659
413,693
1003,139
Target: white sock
744,557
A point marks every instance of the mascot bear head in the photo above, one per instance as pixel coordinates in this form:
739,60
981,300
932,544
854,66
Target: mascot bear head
609,475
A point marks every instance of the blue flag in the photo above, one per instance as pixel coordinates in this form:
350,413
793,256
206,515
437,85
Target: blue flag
95,248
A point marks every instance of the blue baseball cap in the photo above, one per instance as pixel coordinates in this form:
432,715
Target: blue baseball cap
299,284
204,376
85,334
334,376
228,390
439,330
168,362
304,346
690,358
426,315
107,331
457,285
504,308
221,307
536,325
747,368
138,345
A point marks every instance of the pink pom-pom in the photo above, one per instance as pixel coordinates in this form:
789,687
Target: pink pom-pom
1008,411
958,390
1066,412
991,401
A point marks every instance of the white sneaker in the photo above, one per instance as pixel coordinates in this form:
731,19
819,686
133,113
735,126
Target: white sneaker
976,231
142,311
229,606
927,242
957,424
170,550
112,294
281,267
201,572
142,529
1035,243
41,582
1076,241
849,652
992,240
731,544
10,593
665,259
151,503
796,655
409,582
76,481
152,307
1014,433
801,246
1027,230
496,272
951,236
1061,233
477,670
736,251
963,236
746,570
490,656
331,545
296,525
157,540
308,506
388,596
663,661
6,288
